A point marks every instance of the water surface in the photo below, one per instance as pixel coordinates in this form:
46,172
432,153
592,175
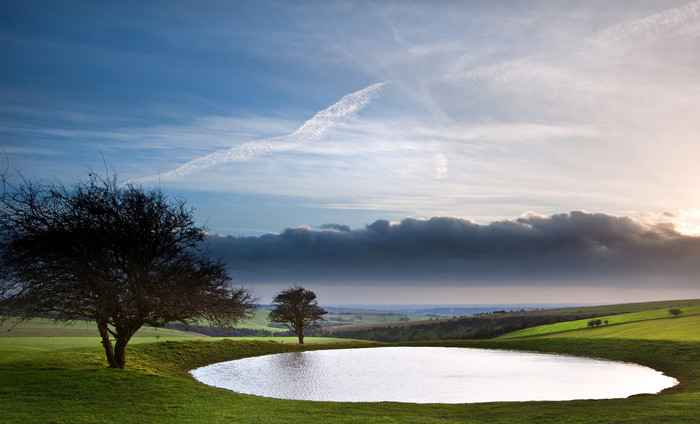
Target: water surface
431,375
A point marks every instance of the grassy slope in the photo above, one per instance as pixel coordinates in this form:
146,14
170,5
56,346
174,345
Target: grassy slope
618,324
680,329
597,310
628,307
72,385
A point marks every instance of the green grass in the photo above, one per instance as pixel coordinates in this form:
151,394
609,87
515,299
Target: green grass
72,386
59,384
625,307
679,329
661,317
258,322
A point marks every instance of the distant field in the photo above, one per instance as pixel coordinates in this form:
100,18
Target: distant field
38,327
658,321
374,317
45,334
627,307
56,343
259,321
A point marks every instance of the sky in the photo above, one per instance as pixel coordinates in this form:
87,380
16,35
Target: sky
385,152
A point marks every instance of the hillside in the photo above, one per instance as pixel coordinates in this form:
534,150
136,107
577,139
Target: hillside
500,323
655,324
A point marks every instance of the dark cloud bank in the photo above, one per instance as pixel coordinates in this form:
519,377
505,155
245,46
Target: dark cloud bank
579,247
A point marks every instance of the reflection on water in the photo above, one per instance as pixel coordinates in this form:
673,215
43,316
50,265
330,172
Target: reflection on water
431,375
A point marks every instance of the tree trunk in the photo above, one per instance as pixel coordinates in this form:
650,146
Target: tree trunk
107,344
116,354
301,337
123,337
120,352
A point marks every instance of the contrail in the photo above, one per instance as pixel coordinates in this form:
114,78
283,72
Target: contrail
312,130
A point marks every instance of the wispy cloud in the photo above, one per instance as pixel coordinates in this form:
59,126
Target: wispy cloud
617,50
312,130
680,20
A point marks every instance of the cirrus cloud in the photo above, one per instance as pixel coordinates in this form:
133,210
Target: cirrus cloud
312,130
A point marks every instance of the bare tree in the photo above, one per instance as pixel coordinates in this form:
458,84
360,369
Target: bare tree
121,255
297,309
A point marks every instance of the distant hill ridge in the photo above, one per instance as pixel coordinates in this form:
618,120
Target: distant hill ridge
491,325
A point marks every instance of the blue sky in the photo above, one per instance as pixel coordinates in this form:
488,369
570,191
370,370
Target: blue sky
274,115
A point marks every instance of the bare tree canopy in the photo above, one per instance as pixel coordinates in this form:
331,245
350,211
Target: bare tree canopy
297,309
121,255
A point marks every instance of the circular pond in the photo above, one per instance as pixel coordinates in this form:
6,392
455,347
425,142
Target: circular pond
431,375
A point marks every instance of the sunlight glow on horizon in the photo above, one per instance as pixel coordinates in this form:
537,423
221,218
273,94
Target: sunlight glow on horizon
689,222
686,222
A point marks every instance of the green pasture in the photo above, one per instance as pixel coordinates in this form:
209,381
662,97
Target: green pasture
623,308
41,334
377,317
45,380
55,343
258,322
684,328
73,386
38,327
658,327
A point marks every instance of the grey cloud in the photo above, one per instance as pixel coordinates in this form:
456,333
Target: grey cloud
337,227
578,246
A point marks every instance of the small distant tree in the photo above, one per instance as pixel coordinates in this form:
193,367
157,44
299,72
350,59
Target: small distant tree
606,322
297,309
595,323
120,255
675,312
